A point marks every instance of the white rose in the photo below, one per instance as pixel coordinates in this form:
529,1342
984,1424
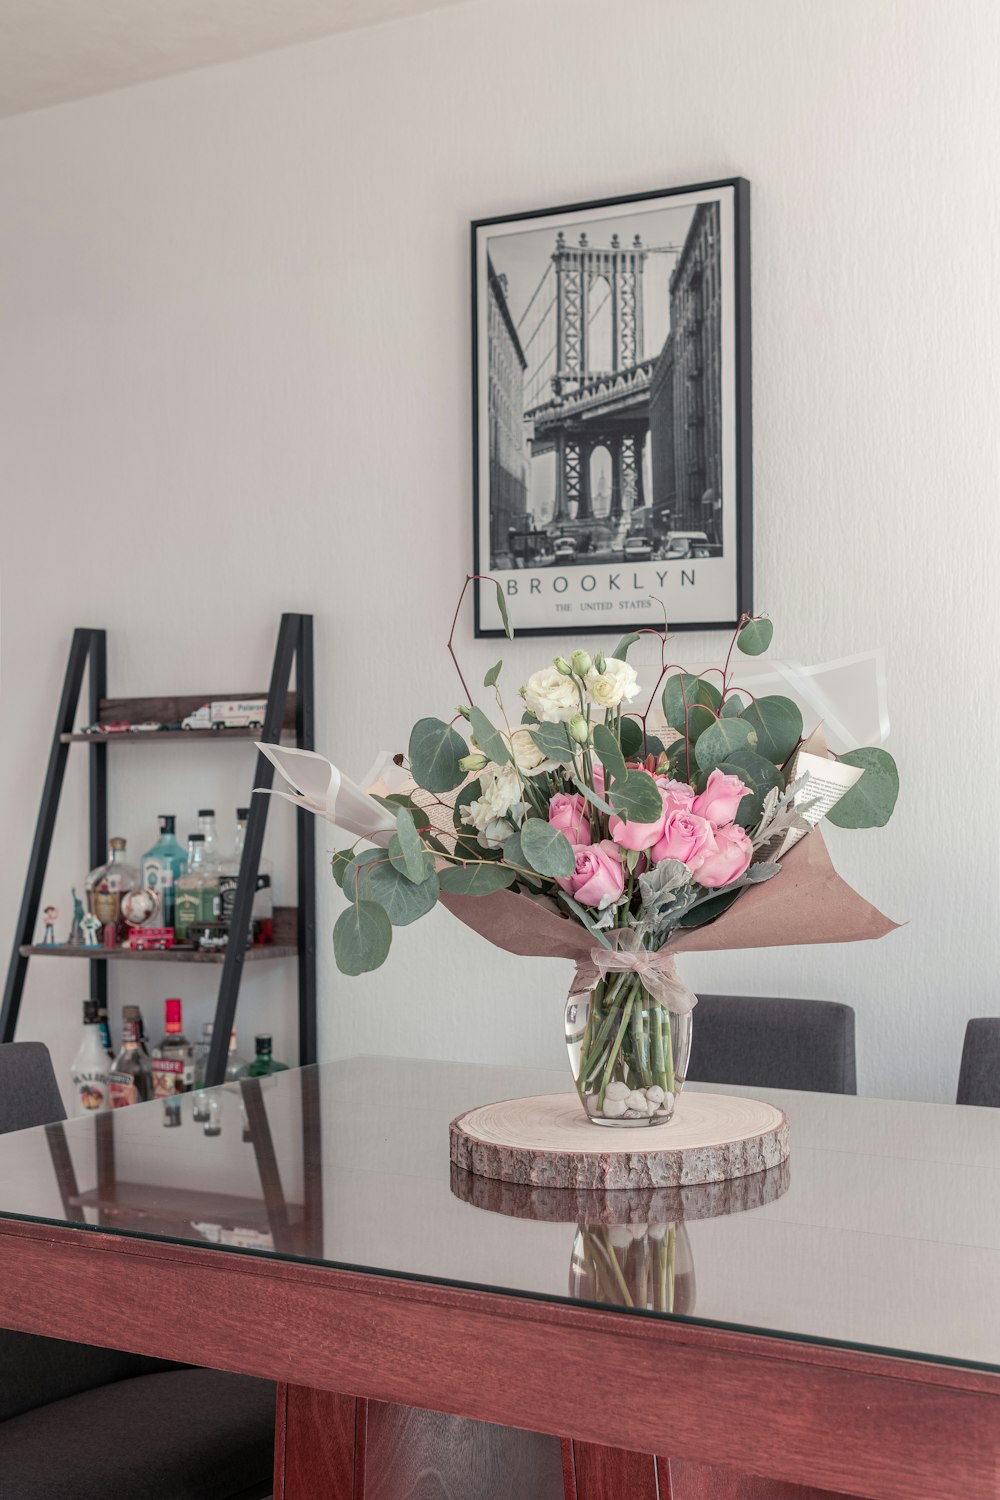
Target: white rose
617,683
551,697
489,814
530,761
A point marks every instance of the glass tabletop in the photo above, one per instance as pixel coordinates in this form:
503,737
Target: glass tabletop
881,1231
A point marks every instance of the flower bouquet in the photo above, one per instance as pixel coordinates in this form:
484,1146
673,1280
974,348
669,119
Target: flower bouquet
581,829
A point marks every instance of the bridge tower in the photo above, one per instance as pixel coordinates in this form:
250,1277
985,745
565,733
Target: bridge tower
580,271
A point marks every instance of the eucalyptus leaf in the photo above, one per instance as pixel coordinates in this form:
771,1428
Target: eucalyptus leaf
609,752
592,797
435,751
554,742
700,718
623,647
732,707
490,741
630,737
636,798
757,774
415,856
475,880
755,637
718,742
777,723
338,864
378,879
514,856
490,680
870,801
417,872
583,915
362,937
502,607
681,692
546,849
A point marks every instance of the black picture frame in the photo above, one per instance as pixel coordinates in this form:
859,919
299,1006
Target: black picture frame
697,394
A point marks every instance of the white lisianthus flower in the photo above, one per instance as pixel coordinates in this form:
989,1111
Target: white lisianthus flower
530,761
500,802
551,696
618,683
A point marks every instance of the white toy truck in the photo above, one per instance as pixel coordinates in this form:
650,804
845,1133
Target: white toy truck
234,713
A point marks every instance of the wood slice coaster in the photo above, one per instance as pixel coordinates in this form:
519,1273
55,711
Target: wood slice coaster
547,1141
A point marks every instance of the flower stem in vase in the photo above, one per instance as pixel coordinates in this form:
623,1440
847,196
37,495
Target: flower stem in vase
615,1050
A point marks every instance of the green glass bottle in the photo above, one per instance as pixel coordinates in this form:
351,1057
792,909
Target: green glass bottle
162,867
263,1062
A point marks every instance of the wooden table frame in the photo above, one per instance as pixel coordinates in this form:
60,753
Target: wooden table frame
709,1401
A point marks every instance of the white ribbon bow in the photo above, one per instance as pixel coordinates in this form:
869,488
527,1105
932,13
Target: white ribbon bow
656,971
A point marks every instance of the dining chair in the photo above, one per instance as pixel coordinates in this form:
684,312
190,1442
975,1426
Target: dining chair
979,1074
79,1422
774,1043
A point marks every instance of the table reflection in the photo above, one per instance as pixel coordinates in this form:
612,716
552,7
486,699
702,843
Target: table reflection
631,1246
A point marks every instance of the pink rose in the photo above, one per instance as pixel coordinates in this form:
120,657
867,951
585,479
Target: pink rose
720,800
685,837
727,860
568,813
677,795
598,879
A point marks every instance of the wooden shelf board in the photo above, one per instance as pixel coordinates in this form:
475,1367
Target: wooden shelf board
154,955
139,1200
196,736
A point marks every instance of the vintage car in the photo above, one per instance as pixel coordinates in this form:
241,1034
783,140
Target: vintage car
564,550
148,727
637,548
115,726
683,544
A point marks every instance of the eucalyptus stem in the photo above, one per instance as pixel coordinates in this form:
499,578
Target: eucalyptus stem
616,1048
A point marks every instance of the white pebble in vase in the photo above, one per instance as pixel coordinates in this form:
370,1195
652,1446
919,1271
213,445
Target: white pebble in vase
613,1108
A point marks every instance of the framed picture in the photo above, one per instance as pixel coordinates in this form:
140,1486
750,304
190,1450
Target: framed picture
611,400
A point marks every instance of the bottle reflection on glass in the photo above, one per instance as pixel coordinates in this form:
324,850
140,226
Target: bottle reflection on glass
647,1266
213,1122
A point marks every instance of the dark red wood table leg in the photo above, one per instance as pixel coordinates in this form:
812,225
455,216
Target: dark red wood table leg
316,1446
594,1472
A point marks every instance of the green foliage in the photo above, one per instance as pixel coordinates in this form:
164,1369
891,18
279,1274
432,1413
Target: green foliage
372,876
777,723
732,707
718,742
700,718
546,849
514,856
490,680
554,741
630,737
502,607
338,864
362,936
435,750
707,911
476,880
489,740
609,752
870,801
414,856
592,797
636,798
683,690
621,651
755,637
760,775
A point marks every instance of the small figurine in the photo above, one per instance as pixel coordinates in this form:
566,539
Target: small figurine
51,915
74,932
90,926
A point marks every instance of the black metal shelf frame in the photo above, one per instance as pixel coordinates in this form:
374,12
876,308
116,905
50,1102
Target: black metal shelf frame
88,653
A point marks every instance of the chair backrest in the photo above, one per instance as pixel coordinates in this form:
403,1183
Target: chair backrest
29,1093
774,1043
979,1075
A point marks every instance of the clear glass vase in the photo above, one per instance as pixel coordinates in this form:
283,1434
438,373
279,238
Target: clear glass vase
628,1053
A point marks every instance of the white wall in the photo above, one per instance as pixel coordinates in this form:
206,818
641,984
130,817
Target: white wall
235,364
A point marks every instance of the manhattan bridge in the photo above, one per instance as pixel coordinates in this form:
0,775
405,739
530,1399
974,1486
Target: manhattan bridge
571,407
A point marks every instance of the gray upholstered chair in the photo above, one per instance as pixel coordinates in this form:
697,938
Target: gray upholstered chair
82,1423
774,1043
979,1075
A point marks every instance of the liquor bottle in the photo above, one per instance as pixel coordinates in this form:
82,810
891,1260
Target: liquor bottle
197,891
90,1065
236,1066
263,1062
131,1078
173,1058
209,832
102,1021
162,867
108,884
262,911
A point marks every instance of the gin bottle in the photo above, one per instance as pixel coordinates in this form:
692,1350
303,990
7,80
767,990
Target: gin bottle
263,1063
197,891
162,867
